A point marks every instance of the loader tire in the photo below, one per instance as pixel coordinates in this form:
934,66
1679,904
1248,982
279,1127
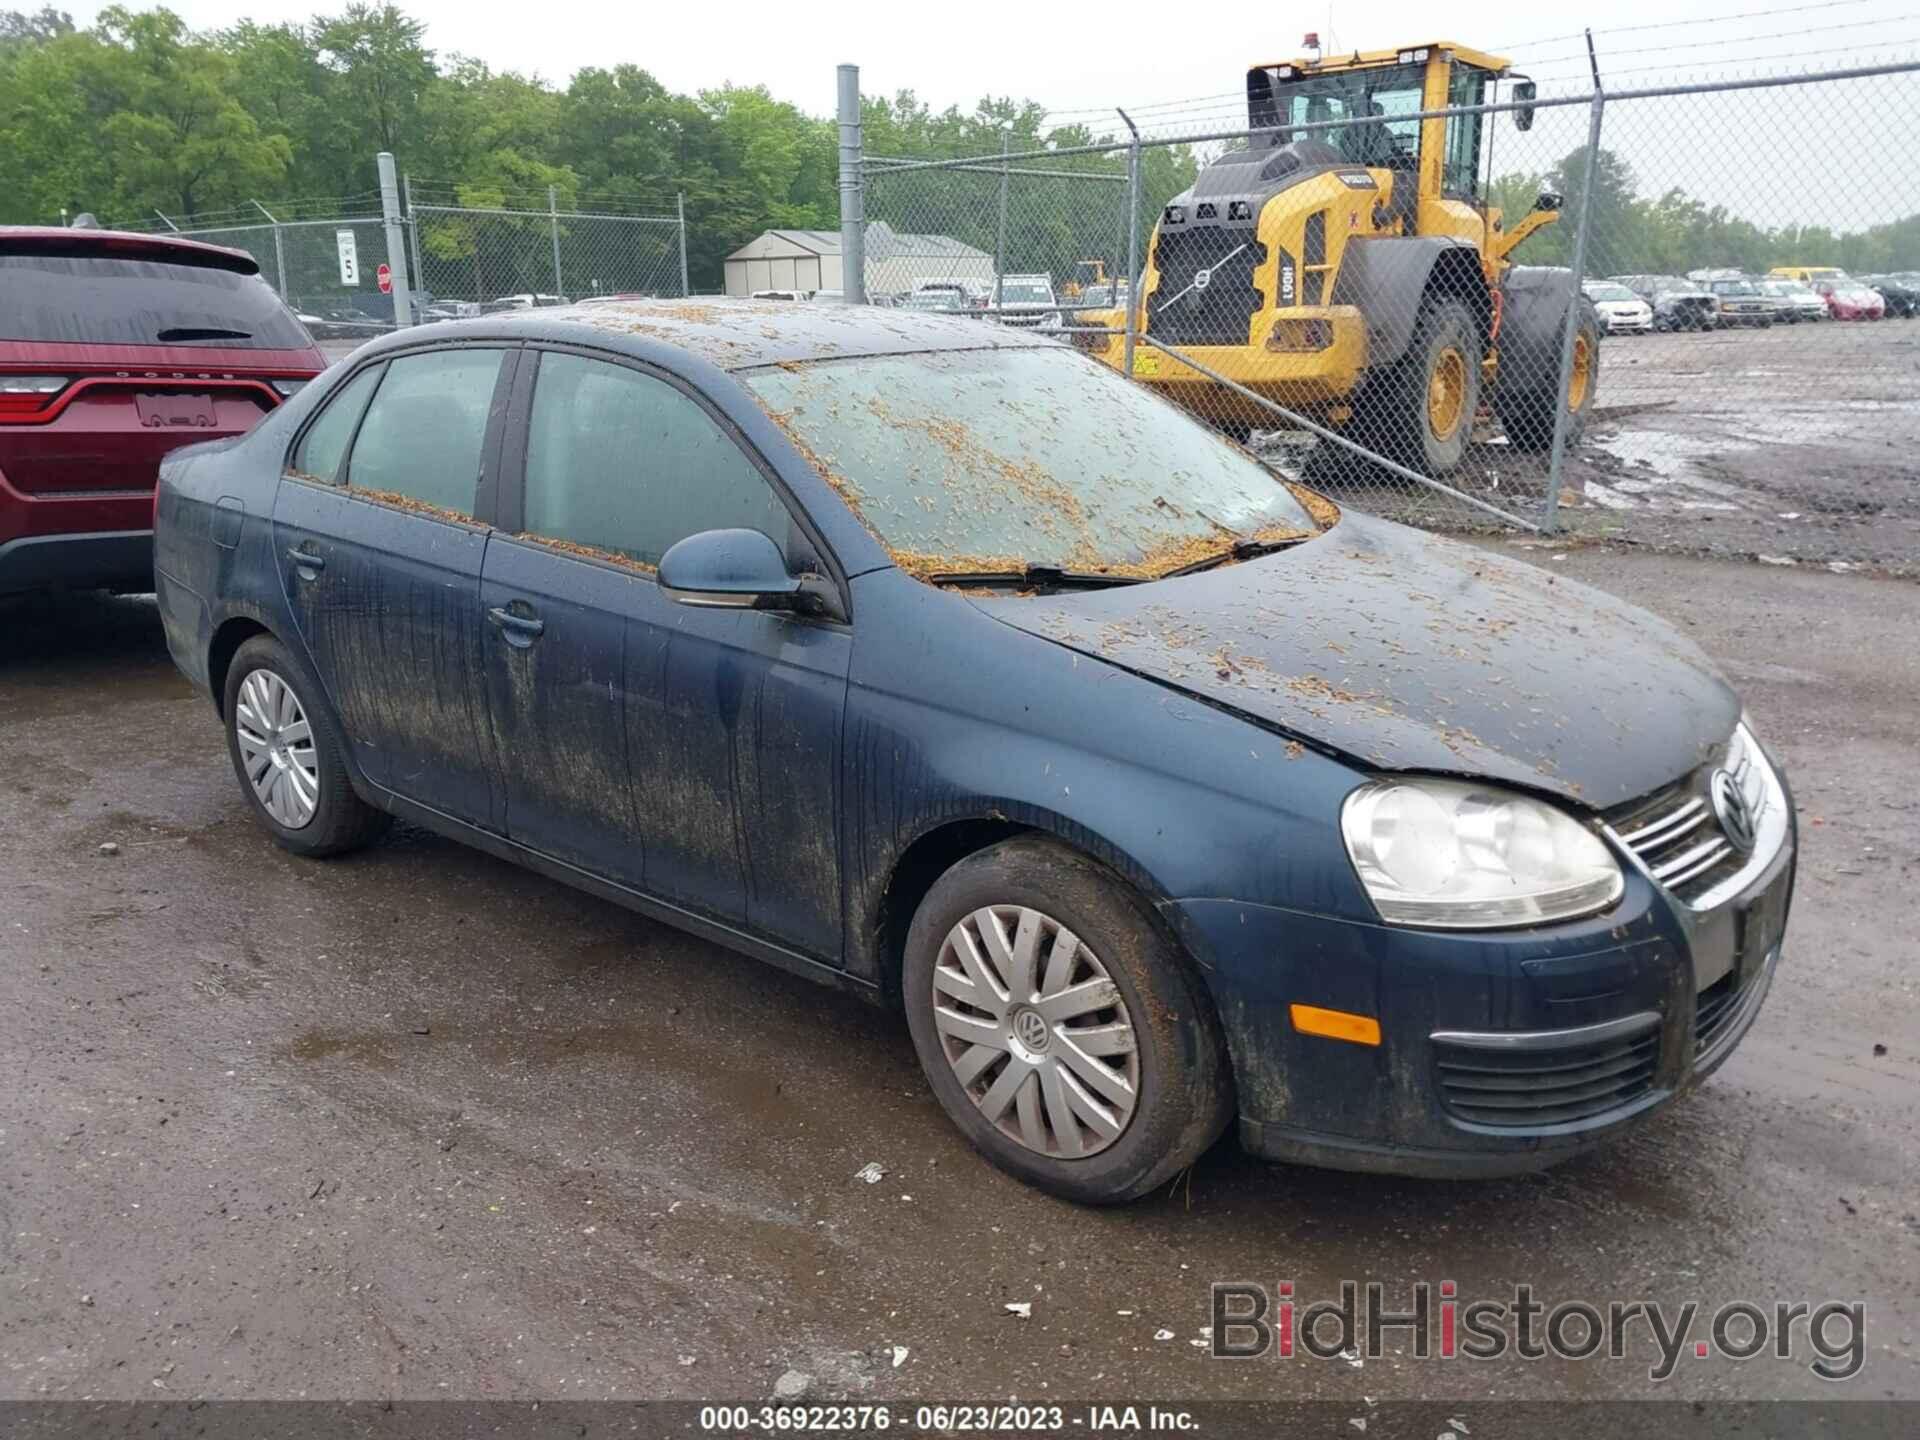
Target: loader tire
1527,412
1420,413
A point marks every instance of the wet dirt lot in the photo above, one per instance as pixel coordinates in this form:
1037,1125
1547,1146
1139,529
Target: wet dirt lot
1799,442
419,1124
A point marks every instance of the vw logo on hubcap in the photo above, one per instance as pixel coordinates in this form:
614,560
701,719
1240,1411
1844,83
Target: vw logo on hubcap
1731,809
1030,1029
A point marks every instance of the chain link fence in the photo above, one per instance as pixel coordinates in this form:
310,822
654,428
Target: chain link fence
1681,316
462,260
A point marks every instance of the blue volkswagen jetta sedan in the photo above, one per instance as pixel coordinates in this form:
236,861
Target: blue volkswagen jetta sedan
940,662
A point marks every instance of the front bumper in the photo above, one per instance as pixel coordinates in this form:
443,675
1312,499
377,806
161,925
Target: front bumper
1500,1053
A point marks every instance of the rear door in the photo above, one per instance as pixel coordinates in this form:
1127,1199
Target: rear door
379,536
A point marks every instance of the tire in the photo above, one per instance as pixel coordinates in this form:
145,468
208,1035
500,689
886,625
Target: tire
1527,413
1175,1075
318,813
1421,411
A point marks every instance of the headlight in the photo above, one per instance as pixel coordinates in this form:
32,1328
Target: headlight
1443,854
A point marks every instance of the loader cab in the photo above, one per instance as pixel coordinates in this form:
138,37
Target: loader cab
1366,102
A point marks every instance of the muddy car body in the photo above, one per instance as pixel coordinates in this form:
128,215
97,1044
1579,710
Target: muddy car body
1153,805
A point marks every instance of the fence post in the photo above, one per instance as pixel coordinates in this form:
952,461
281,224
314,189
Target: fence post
553,221
279,248
1000,230
418,274
396,242
1550,515
680,205
1133,242
853,212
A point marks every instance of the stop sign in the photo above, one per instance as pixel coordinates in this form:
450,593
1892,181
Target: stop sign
385,276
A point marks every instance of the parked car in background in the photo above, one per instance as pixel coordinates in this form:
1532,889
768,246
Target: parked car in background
1792,301
1677,304
1027,302
116,349
1848,299
526,300
1739,302
1901,296
345,322
1621,311
839,720
1808,274
946,295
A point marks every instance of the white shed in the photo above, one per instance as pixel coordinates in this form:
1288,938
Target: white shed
810,260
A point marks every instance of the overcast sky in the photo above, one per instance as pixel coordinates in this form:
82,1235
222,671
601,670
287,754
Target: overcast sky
1079,56
1841,155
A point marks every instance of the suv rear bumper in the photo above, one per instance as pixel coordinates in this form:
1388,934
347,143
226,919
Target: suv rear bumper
107,559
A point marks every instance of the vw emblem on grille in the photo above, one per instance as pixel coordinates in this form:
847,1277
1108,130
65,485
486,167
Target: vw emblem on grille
1731,810
1202,279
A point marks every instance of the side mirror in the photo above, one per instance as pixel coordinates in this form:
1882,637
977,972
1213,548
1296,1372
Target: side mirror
728,569
1524,91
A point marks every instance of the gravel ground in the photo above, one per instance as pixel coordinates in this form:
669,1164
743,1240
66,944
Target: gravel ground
419,1124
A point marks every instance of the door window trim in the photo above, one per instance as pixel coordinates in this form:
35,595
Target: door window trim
512,498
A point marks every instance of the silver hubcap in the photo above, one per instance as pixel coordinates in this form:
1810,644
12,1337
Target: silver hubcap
1036,1031
276,747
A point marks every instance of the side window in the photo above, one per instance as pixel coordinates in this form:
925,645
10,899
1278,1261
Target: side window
622,462
423,433
1467,86
324,446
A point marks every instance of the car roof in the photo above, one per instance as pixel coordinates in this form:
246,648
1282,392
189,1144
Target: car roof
737,334
123,244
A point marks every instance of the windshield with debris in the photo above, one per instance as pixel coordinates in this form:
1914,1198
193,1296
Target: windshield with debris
980,461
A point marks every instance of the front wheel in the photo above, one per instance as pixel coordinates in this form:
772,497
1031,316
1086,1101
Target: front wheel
288,754
1061,1028
1421,411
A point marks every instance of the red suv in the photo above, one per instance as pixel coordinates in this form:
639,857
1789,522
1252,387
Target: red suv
114,350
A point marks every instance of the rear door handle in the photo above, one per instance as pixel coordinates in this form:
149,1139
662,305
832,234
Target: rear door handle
520,629
306,560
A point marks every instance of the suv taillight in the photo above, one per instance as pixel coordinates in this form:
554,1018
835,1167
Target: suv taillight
22,395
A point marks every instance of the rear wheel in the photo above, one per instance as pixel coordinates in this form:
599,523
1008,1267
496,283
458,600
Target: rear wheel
288,755
1421,411
1528,411
1060,1027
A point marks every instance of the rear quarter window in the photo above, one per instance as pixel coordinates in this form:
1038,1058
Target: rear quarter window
108,300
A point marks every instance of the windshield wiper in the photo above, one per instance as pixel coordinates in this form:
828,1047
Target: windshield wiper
1035,577
1240,550
203,332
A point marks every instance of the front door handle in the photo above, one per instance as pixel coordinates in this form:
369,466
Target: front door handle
520,629
308,563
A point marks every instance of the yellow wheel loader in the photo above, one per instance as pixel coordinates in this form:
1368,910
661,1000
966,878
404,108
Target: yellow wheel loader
1355,272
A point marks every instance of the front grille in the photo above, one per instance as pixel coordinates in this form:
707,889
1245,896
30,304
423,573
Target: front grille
1678,839
1532,1089
1219,310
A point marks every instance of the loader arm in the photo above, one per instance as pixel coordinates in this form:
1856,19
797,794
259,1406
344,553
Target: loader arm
1508,241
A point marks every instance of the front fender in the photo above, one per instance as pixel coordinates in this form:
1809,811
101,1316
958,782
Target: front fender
1182,797
1387,277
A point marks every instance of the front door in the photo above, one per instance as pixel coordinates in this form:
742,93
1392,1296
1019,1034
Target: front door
380,550
694,754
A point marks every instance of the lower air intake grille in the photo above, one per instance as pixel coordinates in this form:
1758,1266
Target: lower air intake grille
1533,1089
1712,1011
